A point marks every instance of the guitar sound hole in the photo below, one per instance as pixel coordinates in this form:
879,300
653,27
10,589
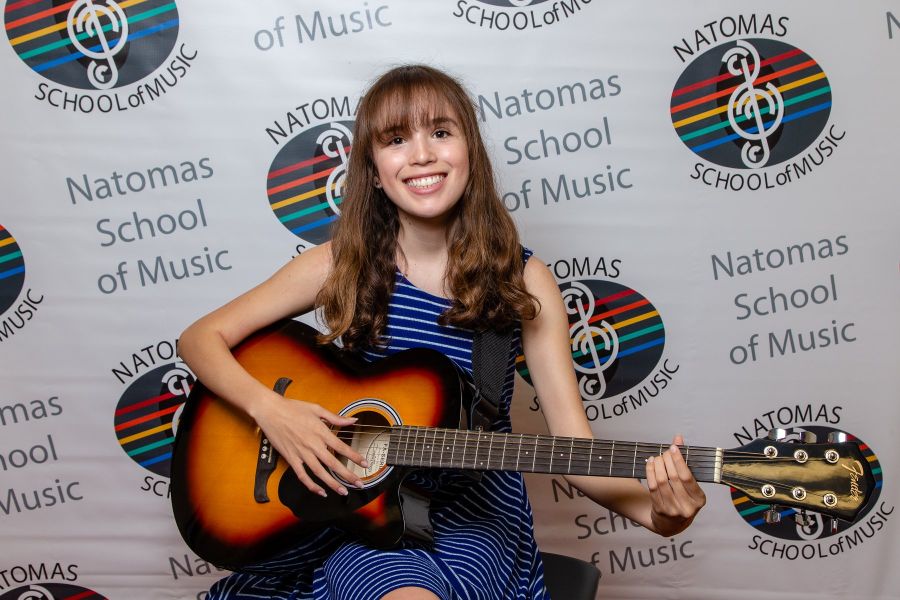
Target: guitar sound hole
370,437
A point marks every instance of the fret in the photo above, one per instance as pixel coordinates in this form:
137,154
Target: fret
552,447
444,449
490,448
634,462
534,454
407,430
503,455
611,457
464,450
417,440
478,439
433,440
519,452
571,448
453,447
416,443
590,457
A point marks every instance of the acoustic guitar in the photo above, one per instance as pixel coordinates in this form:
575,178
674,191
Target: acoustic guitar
236,503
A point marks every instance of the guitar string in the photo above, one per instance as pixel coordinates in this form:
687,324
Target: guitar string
416,438
584,453
544,462
421,435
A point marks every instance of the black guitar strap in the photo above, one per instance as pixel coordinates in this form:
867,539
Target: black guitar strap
490,356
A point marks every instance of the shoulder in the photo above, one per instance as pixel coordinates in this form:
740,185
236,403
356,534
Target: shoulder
314,264
538,278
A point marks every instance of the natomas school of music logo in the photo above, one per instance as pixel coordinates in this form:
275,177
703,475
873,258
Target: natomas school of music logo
785,533
16,308
516,15
89,50
755,110
305,182
617,341
147,413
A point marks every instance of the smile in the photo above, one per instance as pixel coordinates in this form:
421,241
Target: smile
423,182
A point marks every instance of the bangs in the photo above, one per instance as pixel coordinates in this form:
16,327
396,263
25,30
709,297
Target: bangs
403,106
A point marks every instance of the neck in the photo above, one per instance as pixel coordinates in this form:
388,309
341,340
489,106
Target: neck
422,244
488,451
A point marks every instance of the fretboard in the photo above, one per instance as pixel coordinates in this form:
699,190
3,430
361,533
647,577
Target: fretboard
491,451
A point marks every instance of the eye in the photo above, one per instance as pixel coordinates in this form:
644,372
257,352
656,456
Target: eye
395,140
441,133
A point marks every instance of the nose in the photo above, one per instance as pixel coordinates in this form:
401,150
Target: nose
421,152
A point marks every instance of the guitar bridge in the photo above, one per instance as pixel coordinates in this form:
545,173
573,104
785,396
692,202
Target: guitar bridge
267,456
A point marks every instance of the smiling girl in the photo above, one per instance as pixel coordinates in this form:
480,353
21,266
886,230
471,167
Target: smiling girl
424,255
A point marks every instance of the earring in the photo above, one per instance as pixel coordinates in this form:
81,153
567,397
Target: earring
377,183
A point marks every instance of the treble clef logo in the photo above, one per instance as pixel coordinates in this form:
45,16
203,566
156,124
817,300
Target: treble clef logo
745,104
85,22
334,142
36,592
591,381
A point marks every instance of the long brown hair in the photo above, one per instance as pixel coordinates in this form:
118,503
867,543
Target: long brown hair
484,266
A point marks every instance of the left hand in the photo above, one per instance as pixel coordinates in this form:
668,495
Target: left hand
675,495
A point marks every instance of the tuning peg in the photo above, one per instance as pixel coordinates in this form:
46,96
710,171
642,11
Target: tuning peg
837,437
773,515
834,525
802,519
777,434
808,437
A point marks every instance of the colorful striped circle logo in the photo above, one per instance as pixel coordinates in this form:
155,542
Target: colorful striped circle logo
92,44
306,180
617,337
749,104
145,417
51,591
787,528
12,270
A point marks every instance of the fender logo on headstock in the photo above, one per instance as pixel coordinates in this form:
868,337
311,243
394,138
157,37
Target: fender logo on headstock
856,471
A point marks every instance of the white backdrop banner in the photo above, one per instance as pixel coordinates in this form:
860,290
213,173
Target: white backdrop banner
712,183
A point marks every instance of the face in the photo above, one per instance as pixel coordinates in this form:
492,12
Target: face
424,171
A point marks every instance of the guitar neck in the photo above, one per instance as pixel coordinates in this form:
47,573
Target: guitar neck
492,451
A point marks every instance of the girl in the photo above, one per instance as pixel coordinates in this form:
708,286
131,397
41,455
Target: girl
424,254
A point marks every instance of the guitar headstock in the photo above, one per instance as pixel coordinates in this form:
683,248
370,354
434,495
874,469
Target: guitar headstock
831,478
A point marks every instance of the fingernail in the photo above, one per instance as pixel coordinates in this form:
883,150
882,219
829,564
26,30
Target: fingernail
323,494
364,464
650,459
358,484
673,449
343,491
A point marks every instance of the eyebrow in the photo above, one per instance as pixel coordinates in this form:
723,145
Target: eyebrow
444,121
400,129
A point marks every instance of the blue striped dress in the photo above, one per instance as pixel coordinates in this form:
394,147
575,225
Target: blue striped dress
484,538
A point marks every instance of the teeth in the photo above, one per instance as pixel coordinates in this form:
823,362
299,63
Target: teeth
425,181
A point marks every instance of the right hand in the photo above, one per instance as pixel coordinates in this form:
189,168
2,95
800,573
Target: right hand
300,432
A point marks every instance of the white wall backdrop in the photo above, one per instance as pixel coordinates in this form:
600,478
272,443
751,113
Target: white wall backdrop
151,175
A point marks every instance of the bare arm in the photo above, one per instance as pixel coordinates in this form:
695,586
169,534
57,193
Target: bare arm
297,429
673,497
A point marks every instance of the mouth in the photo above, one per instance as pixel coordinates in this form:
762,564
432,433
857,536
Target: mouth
426,181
